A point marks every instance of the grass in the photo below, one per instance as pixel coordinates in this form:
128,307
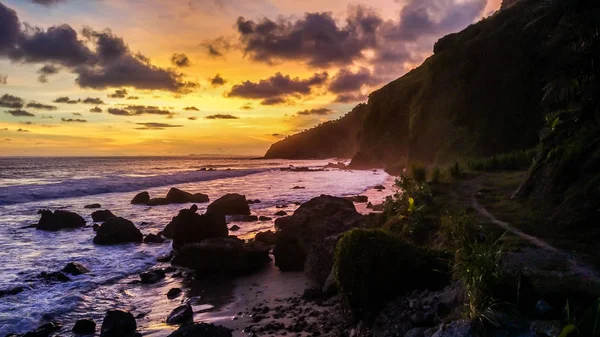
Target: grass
418,172
518,160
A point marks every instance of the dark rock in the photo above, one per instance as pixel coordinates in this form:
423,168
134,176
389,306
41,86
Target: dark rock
10,291
269,237
165,258
101,216
141,198
298,187
152,276
44,330
157,202
379,187
57,220
118,323
228,255
543,309
173,292
415,332
255,201
154,238
319,260
85,326
177,196
281,206
181,314
190,227
234,228
230,204
95,227
92,206
55,276
201,330
117,230
378,208
370,205
338,165
281,213
310,224
461,328
75,268
249,218
358,198
264,218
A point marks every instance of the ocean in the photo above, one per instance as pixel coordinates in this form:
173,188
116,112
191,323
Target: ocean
30,184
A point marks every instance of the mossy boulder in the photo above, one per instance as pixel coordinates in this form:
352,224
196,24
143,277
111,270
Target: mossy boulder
372,267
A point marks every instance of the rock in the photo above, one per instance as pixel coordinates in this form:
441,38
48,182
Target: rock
461,328
370,205
228,255
95,227
255,201
415,332
117,230
319,260
543,309
101,216
85,326
264,218
378,208
234,228
177,196
181,314
152,276
249,218
165,258
11,291
57,220
298,187
379,187
281,213
358,198
44,330
229,204
92,206
141,198
154,238
55,276
173,292
190,227
157,202
310,224
75,268
118,323
338,165
269,237
201,330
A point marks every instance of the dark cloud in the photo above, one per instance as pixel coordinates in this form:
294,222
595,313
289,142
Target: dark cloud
40,106
92,100
192,118
96,110
132,97
119,93
10,28
28,123
47,70
246,107
277,101
10,101
191,108
20,113
157,126
73,120
47,2
278,86
350,98
22,130
318,112
277,135
76,114
222,116
137,110
347,81
118,112
66,99
180,60
218,47
217,80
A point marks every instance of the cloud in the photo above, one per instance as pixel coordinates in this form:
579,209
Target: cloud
246,106
20,113
96,110
3,79
192,118
47,2
119,93
137,110
180,60
222,116
27,123
277,101
318,112
76,114
347,81
22,130
66,99
132,97
278,86
157,126
217,47
10,101
191,108
47,70
73,120
91,100
350,98
40,106
217,80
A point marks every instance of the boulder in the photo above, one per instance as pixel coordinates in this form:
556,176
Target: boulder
51,277
264,218
310,224
379,187
298,187
319,260
152,276
85,326
92,206
358,198
154,238
95,227
190,227
75,268
181,314
177,196
141,198
230,204
249,218
281,213
228,255
461,328
11,291
269,237
57,220
255,201
117,230
44,330
103,215
173,293
118,323
234,228
201,330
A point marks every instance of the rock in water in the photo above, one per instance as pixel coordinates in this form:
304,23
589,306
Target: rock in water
230,204
201,330
154,238
177,196
173,292
190,227
268,237
281,213
141,198
57,220
118,323
234,228
358,198
101,216
152,276
75,268
181,314
44,330
55,276
117,230
85,326
92,206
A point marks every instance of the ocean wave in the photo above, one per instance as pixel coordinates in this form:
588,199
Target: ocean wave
17,194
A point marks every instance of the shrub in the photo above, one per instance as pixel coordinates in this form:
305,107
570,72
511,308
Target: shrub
436,175
372,268
418,172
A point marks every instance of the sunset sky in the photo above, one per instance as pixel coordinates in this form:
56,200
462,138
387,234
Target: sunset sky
179,77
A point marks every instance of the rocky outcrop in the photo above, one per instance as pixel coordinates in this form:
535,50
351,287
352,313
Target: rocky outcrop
230,204
153,238
190,227
117,230
177,196
85,326
59,219
319,260
75,268
227,256
101,216
118,323
201,330
92,206
141,198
